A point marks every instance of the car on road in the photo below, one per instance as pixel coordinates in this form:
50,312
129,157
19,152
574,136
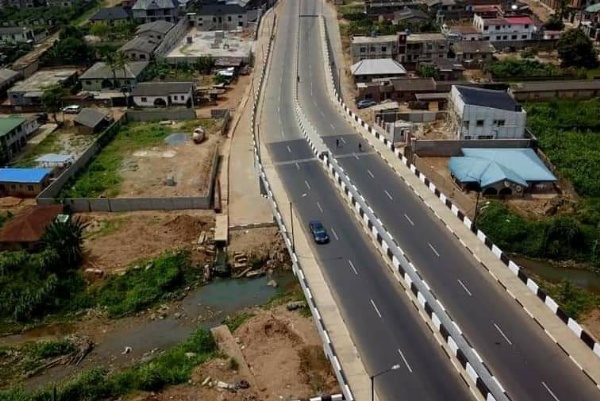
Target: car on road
363,104
318,232
72,109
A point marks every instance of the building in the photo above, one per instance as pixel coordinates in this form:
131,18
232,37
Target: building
156,30
477,113
367,70
164,94
54,160
13,136
505,29
91,121
30,91
24,182
26,230
112,15
410,16
552,90
7,79
399,90
444,69
425,47
139,48
221,16
16,34
100,76
501,171
220,45
385,9
373,47
155,10
461,32
473,54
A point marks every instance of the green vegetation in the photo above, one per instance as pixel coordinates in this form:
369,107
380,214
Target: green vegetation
576,49
70,48
50,144
54,15
139,288
173,366
4,217
361,24
515,69
236,321
49,349
101,176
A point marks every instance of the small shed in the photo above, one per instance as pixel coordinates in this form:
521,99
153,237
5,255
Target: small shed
24,182
25,230
52,160
91,121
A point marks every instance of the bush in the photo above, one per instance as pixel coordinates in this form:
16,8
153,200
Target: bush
514,69
48,349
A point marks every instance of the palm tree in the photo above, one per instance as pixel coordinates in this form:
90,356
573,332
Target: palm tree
121,61
66,238
110,60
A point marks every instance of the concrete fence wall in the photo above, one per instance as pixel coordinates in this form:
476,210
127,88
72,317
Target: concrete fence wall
171,38
447,148
420,116
161,114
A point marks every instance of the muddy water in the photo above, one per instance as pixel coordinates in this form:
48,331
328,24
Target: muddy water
555,274
206,306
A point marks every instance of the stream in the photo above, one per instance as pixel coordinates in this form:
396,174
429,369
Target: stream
210,304
555,274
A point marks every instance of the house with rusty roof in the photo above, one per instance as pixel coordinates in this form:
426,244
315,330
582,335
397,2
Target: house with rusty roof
25,230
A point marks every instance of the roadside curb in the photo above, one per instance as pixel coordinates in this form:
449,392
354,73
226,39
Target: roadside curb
573,325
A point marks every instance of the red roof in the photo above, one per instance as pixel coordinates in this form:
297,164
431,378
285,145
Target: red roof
30,224
519,20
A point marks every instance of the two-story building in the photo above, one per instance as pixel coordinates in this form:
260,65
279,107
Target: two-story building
222,15
376,47
29,91
473,53
155,10
164,94
16,34
14,131
425,47
505,29
476,113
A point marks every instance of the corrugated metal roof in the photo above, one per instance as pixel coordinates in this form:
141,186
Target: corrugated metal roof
24,175
54,158
377,66
490,166
30,224
7,124
488,98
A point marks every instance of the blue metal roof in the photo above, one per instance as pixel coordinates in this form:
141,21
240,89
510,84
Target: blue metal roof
489,166
24,175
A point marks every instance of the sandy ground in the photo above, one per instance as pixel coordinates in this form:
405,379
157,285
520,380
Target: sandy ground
139,235
284,352
229,100
145,171
254,240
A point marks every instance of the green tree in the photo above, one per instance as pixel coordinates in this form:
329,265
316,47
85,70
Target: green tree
563,237
66,238
426,70
52,99
204,65
555,23
102,30
576,49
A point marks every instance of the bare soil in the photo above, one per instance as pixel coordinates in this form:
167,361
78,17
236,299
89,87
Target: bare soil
284,353
231,99
139,235
253,241
592,322
145,171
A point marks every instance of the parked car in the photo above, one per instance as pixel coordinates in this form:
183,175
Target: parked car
363,104
72,109
318,232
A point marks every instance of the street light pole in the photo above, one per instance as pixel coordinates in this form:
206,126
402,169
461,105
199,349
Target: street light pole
393,367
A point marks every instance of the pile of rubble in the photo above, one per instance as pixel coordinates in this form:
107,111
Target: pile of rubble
232,387
261,261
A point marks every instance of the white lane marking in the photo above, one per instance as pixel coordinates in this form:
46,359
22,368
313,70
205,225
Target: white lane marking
297,166
353,268
282,134
355,155
332,127
278,109
409,220
464,287
319,206
433,249
343,140
375,307
307,185
370,173
507,340
289,150
405,361
550,391
388,194
322,114
334,234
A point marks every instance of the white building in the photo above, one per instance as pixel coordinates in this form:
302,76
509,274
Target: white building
485,114
163,94
505,29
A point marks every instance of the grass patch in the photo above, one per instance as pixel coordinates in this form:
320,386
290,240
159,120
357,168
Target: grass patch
50,144
107,227
139,288
48,349
236,321
169,368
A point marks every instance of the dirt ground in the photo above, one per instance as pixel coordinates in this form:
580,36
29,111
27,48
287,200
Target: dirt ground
229,100
592,322
253,240
145,171
145,234
285,355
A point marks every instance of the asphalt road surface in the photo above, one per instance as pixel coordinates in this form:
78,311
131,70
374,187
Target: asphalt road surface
383,322
528,364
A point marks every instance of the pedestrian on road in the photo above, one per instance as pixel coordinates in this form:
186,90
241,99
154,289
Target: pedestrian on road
337,143
360,147
298,78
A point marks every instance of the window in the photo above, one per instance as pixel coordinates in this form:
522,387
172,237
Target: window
523,36
30,188
142,57
229,18
526,26
199,18
513,37
485,137
466,124
88,82
504,37
383,49
214,19
498,37
499,123
362,49
467,137
144,99
372,48
175,97
479,123
497,27
485,28
240,16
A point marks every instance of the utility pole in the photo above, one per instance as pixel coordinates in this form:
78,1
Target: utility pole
293,236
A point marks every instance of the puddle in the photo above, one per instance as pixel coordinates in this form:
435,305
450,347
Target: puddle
176,139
